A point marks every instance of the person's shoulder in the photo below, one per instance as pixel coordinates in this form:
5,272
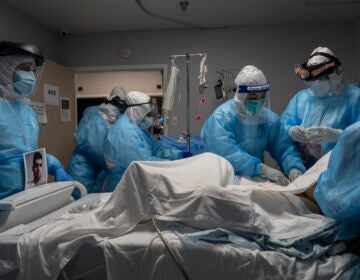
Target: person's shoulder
270,116
352,90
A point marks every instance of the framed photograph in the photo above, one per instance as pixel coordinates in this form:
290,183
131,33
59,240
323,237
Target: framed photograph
35,168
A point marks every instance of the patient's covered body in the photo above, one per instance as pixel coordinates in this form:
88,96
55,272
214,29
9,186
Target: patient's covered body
192,191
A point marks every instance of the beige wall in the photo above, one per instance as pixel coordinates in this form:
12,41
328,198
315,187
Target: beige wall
100,84
57,136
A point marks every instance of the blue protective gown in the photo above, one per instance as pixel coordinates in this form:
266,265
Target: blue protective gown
338,190
243,144
19,134
87,164
127,142
307,110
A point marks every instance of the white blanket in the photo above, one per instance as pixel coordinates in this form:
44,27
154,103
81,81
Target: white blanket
189,190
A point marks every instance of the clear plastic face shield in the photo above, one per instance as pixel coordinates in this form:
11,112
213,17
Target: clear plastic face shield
142,113
328,85
20,76
250,100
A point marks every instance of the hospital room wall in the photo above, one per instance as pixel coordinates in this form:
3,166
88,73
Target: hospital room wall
17,27
357,54
273,48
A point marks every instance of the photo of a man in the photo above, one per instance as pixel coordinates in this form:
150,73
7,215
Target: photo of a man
35,165
36,168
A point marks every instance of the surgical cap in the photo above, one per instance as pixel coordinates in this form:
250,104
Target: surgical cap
318,59
321,62
117,91
250,75
135,112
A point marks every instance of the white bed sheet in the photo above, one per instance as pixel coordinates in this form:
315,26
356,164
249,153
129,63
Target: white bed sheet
142,255
192,191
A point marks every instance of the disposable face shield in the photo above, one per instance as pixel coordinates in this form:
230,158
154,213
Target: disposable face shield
138,106
328,85
19,76
251,100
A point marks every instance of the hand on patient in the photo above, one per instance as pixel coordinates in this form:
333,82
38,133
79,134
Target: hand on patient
274,175
294,173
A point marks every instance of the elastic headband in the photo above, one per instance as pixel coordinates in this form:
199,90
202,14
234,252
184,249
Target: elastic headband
313,72
138,104
253,88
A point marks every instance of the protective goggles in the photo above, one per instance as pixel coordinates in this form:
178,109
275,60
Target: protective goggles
253,88
314,72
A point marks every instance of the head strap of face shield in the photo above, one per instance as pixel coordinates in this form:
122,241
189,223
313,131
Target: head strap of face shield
10,48
253,88
138,104
309,73
117,102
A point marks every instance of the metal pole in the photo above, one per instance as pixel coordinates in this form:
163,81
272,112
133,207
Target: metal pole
188,102
188,135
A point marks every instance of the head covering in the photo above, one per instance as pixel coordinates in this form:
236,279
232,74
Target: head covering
250,80
321,62
138,105
117,91
113,106
18,59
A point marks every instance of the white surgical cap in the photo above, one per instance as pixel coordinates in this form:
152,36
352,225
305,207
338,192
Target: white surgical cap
318,59
117,91
250,75
137,113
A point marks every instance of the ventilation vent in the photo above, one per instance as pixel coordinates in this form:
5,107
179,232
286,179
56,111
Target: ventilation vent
330,2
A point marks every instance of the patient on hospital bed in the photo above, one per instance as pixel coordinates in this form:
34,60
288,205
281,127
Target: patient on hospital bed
199,192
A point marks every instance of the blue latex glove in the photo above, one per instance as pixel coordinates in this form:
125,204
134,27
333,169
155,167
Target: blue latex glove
61,175
323,134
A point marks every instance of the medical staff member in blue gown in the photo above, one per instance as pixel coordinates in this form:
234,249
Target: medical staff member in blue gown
130,140
243,128
316,116
337,191
87,163
20,69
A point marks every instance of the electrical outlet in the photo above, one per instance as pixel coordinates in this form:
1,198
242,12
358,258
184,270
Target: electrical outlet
174,120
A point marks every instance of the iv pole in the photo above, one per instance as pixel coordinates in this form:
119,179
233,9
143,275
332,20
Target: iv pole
187,153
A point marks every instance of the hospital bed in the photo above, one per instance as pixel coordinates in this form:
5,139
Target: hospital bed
164,247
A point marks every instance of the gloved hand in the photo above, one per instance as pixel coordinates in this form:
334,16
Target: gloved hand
61,175
294,173
274,175
298,133
323,134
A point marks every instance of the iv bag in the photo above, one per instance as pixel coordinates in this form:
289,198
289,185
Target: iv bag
171,88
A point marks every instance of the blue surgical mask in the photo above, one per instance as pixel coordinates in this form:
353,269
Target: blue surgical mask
24,82
146,122
255,106
320,87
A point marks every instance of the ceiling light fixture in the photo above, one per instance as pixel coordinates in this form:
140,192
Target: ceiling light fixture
183,5
177,21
